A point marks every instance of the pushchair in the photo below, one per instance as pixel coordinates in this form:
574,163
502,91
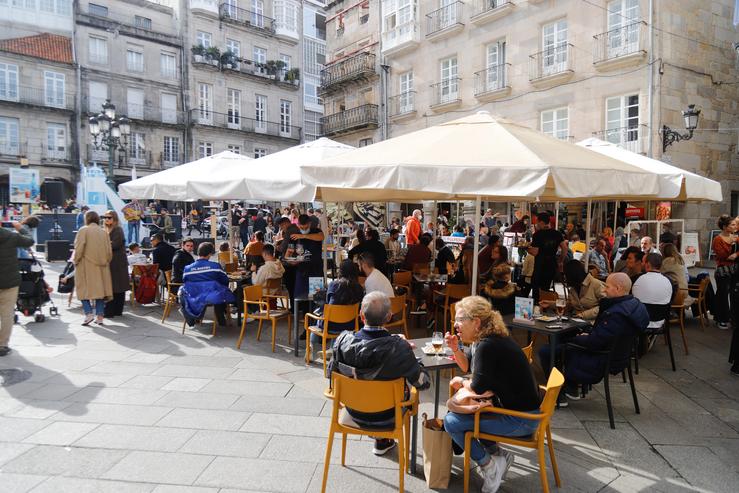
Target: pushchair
32,293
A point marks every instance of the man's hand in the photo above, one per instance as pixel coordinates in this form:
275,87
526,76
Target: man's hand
16,225
451,341
297,236
253,268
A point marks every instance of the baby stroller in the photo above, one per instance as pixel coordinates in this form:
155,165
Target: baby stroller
32,294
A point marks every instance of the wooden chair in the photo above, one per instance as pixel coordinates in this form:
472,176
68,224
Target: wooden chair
370,396
528,351
535,441
172,289
422,268
253,296
402,279
215,324
450,292
700,300
273,289
678,306
230,267
550,296
331,314
398,308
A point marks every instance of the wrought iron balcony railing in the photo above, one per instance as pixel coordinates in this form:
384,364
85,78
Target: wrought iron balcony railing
447,91
491,79
402,104
632,138
359,65
620,42
351,119
236,121
229,12
444,18
36,96
556,59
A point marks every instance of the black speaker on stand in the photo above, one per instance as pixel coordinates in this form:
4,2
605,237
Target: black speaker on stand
56,248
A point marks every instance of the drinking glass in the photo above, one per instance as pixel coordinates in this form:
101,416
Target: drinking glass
437,340
560,307
299,250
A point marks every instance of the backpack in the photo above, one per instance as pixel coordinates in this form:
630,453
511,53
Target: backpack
146,289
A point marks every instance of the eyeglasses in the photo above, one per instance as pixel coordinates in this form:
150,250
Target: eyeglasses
107,217
461,319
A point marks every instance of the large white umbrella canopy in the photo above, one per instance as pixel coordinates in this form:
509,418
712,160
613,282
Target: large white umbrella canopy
675,183
209,178
476,156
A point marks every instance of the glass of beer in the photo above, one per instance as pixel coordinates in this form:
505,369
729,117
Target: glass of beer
437,341
560,306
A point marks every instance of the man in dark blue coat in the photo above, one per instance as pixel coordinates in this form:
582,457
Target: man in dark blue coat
620,315
205,283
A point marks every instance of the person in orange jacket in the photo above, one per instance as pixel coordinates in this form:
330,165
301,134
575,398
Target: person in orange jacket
413,227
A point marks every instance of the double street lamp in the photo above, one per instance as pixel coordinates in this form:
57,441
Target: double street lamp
109,133
670,136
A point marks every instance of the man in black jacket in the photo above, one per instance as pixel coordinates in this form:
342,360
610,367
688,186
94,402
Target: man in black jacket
373,353
10,277
182,258
162,255
373,245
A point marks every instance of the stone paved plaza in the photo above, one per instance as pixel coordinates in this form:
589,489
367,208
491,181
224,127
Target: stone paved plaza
137,406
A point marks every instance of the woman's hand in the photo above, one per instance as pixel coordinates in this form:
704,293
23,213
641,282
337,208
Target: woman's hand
732,256
452,341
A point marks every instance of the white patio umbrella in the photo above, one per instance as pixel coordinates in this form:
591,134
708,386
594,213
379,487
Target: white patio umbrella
209,178
676,183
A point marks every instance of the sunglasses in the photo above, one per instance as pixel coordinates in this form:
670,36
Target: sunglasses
107,217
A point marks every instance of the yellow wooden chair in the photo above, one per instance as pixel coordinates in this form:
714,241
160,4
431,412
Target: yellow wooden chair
528,351
397,308
331,314
253,296
678,306
402,279
172,289
701,299
535,441
451,292
370,396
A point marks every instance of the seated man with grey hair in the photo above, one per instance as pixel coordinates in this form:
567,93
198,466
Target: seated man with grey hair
373,353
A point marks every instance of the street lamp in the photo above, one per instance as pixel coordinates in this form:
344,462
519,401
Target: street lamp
670,136
109,133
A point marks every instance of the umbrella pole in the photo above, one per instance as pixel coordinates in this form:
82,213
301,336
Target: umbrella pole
587,235
556,217
476,249
434,218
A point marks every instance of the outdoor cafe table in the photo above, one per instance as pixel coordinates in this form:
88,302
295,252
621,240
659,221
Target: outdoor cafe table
568,327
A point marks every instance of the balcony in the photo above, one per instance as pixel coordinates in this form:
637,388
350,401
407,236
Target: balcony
444,22
287,14
56,155
402,106
263,72
170,160
633,138
401,39
551,66
12,150
492,83
231,14
484,11
35,96
621,47
206,61
365,116
446,94
204,6
140,159
357,67
234,121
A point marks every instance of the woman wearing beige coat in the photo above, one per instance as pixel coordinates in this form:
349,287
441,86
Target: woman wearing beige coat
92,256
585,291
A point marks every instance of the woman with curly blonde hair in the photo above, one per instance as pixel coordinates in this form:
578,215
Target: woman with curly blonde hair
500,369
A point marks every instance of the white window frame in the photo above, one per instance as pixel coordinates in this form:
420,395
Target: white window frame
137,148
622,128
135,59
56,141
236,149
257,13
554,117
135,109
260,113
168,65
554,39
9,135
449,87
204,39
259,152
286,15
169,115
95,102
9,90
94,56
495,66
205,149
622,27
405,92
286,115
234,47
54,83
233,100
171,149
205,103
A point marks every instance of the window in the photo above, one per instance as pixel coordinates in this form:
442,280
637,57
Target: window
623,27
234,148
397,22
137,148
134,60
287,61
260,55
204,39
56,141
286,16
259,152
98,93
405,92
171,149
285,117
98,10
311,84
364,13
9,136
449,87
168,65
54,89
169,108
622,121
61,7
142,22
312,125
234,108
98,50
556,123
366,142
554,47
447,13
8,82
260,113
231,8
205,149
205,104
257,13
234,47
24,4
135,103
494,66
735,203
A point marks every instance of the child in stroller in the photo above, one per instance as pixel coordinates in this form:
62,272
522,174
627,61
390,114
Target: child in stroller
34,291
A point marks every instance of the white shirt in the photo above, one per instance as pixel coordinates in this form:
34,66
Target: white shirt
377,281
653,288
137,258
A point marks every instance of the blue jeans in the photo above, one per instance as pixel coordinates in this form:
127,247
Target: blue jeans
133,231
495,424
99,307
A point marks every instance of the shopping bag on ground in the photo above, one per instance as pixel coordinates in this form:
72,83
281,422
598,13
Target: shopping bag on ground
437,453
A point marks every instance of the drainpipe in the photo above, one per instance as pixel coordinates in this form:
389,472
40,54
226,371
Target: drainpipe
650,80
184,24
77,124
385,69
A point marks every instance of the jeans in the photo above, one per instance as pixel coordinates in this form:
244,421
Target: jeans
99,307
495,424
133,231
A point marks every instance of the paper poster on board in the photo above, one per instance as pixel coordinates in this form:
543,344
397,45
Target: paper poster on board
24,186
690,249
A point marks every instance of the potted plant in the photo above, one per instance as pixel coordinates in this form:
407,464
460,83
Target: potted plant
274,67
213,55
198,52
292,75
228,59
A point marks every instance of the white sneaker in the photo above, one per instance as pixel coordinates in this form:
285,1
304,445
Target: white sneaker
508,461
492,474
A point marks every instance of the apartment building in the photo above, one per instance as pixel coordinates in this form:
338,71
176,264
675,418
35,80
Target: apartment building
574,69
351,85
314,59
20,18
37,107
244,76
130,53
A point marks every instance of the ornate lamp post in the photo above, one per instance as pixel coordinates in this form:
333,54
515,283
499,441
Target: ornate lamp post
109,133
670,136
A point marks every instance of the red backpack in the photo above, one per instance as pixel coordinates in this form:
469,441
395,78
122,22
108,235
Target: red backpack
146,289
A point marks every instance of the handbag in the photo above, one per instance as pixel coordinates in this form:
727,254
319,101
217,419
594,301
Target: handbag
726,271
437,453
465,401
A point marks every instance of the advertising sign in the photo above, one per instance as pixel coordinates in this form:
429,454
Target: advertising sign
690,249
24,186
634,213
664,211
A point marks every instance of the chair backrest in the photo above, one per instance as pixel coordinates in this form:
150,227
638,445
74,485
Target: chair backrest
528,351
548,403
422,268
341,314
402,278
225,257
702,287
272,285
230,267
368,396
457,291
397,304
657,312
548,296
620,352
168,277
452,314
678,300
253,293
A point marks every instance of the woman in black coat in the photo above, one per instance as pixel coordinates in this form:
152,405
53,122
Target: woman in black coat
118,265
